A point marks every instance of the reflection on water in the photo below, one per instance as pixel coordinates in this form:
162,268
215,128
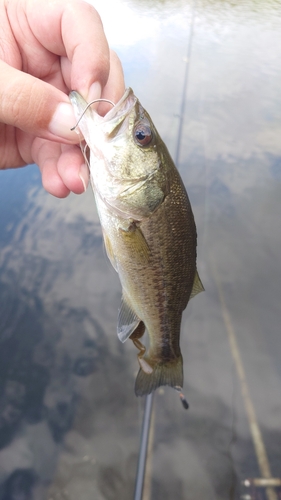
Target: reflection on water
43,358
59,356
69,420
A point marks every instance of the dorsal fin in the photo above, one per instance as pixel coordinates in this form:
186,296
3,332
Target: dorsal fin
197,286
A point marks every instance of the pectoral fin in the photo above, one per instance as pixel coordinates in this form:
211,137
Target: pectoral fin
197,286
109,250
128,321
135,242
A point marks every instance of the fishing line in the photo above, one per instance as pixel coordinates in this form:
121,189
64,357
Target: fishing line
185,81
143,447
88,105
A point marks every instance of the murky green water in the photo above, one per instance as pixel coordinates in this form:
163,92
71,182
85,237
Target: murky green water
209,74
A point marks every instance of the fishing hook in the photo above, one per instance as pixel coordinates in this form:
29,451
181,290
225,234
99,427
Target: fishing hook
88,105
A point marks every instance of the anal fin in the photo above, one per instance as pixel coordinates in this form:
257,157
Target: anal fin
128,321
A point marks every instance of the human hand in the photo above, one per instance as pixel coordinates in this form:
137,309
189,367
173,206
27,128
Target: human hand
46,50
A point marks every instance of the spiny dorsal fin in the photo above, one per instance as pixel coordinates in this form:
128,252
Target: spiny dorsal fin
197,286
128,321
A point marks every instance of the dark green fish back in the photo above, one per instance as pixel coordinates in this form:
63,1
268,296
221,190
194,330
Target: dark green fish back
171,235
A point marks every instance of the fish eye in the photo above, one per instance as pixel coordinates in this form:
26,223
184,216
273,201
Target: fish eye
142,134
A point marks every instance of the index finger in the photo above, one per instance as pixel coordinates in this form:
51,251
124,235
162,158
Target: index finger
73,29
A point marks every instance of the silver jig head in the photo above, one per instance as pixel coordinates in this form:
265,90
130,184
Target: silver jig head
88,105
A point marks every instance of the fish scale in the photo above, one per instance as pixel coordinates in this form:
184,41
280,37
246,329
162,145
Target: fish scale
149,233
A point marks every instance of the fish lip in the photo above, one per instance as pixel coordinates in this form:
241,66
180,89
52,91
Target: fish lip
122,107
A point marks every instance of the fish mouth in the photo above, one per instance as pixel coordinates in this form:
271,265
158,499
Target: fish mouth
94,127
122,107
115,115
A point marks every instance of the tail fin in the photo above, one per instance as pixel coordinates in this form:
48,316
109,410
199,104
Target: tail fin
169,373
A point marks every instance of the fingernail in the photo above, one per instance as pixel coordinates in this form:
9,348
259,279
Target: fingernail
84,175
94,92
62,121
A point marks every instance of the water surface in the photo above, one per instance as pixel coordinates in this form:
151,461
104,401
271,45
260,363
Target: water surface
209,74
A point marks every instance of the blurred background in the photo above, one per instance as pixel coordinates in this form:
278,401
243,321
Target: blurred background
209,74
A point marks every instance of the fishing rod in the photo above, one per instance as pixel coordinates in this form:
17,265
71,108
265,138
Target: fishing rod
140,475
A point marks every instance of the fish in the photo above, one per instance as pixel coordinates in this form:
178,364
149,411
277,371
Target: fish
149,233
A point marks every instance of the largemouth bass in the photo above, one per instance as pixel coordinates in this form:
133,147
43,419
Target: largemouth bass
149,233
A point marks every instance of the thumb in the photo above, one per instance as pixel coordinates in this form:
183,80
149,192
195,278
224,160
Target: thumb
35,106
